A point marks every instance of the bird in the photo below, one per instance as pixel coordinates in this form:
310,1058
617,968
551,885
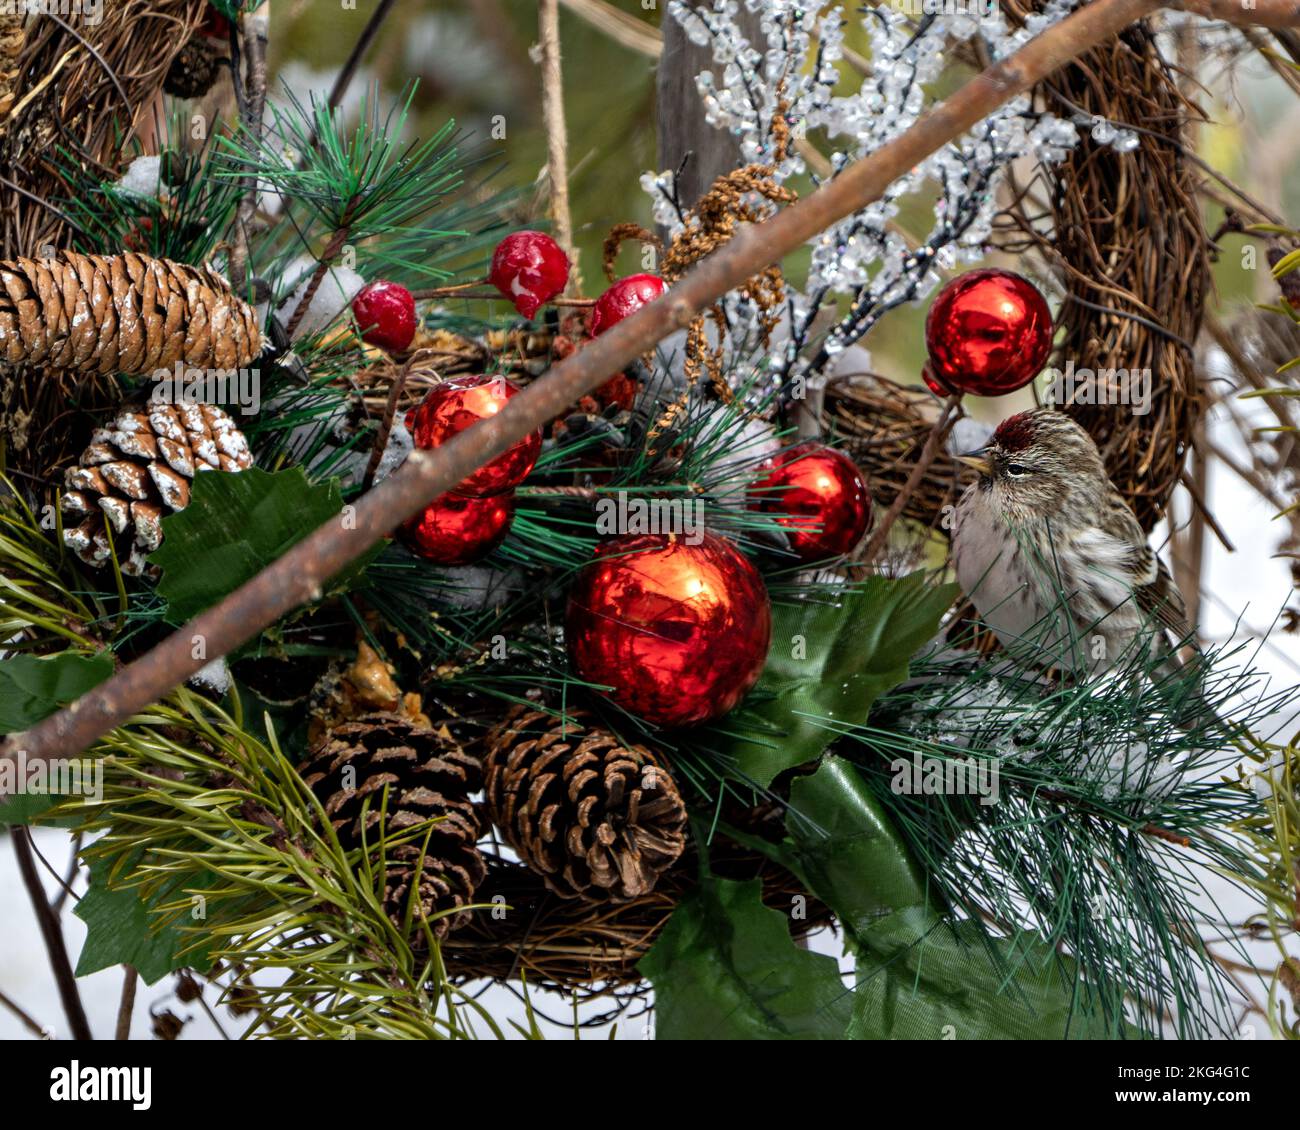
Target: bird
1054,560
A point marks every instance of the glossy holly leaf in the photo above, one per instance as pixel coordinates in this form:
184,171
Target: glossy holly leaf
828,662
919,978
121,929
725,968
236,524
918,975
31,689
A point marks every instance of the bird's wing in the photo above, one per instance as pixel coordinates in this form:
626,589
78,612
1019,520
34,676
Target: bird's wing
1153,588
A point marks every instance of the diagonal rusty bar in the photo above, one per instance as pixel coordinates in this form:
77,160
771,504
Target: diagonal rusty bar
297,577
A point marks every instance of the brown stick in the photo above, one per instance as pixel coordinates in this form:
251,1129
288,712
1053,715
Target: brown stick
52,933
937,433
127,1004
557,134
255,32
1261,13
386,424
298,576
29,1022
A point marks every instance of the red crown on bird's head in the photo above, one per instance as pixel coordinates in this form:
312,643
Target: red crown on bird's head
1015,433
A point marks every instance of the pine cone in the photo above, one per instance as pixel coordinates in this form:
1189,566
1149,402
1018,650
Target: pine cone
194,70
136,471
596,819
428,777
123,313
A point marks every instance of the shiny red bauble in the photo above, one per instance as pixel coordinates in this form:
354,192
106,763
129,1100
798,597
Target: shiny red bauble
529,268
677,632
989,333
455,529
625,297
455,405
817,496
385,314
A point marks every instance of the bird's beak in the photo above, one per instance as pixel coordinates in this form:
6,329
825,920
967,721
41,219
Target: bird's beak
976,459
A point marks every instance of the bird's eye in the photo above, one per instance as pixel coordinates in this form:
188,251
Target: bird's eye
1017,469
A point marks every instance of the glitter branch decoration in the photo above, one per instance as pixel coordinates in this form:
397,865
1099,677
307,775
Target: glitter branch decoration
795,73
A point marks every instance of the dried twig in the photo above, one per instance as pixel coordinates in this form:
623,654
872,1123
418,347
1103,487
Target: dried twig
938,432
127,1004
52,933
255,34
557,136
300,574
28,1021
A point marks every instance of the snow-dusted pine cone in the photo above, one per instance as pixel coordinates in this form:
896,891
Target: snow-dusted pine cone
123,313
136,471
597,819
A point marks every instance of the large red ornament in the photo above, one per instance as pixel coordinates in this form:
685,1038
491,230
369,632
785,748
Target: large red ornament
989,333
385,314
625,297
453,406
677,632
818,496
455,529
529,268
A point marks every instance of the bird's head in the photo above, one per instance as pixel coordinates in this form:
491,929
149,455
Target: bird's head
1040,463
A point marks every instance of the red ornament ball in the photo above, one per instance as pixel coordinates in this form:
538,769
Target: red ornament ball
385,314
677,632
529,268
625,297
455,529
456,404
989,333
818,496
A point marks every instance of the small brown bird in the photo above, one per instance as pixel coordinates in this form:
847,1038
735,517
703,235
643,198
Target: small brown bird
1053,558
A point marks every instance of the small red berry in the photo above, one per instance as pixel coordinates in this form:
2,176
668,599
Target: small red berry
529,268
461,402
625,297
385,314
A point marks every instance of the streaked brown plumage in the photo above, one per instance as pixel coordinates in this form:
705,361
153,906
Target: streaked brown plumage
1052,556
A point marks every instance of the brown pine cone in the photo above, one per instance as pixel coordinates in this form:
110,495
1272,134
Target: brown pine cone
138,470
596,819
429,778
125,313
194,70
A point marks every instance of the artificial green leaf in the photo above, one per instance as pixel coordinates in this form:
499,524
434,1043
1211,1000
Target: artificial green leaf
828,662
845,849
31,689
236,524
725,968
121,929
920,978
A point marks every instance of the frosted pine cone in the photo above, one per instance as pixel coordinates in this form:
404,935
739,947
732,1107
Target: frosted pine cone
136,471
